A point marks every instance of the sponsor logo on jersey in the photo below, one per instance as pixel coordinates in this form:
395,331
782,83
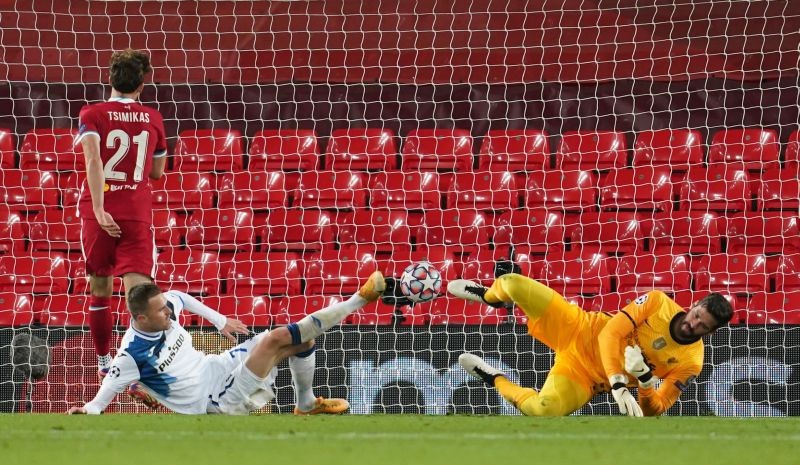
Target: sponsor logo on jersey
684,386
659,343
173,351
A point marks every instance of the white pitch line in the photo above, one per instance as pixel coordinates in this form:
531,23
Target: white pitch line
411,436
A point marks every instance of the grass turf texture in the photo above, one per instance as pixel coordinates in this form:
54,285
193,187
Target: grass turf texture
393,439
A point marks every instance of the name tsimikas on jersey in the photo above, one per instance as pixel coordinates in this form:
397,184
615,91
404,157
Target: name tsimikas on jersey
129,117
172,352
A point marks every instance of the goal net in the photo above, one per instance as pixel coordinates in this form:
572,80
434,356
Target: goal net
603,148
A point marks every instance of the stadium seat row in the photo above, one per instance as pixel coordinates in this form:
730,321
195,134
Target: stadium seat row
536,230
423,149
579,272
71,310
722,187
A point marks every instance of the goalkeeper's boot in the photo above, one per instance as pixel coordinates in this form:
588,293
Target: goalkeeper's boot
470,290
138,394
373,288
325,406
477,368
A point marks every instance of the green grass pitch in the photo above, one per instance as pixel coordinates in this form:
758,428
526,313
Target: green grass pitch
394,439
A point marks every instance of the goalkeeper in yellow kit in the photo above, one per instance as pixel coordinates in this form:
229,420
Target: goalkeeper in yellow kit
651,338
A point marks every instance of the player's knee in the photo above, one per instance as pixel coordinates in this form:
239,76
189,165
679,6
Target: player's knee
100,286
542,406
278,338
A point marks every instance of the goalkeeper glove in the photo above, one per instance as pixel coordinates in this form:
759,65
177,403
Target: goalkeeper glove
393,295
627,403
635,365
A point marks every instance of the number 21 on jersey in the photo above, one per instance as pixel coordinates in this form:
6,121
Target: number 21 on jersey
122,141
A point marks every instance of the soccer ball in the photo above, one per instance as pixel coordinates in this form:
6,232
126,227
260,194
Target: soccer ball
421,282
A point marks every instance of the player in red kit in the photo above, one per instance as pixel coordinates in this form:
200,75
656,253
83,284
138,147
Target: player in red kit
124,144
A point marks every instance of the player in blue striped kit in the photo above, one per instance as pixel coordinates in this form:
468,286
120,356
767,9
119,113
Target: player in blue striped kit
158,352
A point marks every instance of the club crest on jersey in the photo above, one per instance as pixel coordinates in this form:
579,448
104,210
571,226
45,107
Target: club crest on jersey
641,299
659,343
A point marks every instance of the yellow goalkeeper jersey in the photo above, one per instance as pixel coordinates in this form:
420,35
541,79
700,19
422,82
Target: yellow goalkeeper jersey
646,323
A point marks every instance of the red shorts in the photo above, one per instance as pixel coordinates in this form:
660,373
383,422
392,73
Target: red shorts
133,252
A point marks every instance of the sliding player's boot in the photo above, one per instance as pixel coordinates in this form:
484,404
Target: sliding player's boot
325,406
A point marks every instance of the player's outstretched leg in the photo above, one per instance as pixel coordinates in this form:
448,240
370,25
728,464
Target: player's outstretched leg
559,396
297,339
470,290
530,295
302,367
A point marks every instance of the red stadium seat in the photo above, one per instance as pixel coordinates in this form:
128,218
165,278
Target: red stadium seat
792,155
781,308
613,232
12,231
484,190
15,309
264,274
591,150
465,230
407,191
685,233
779,189
37,273
677,149
733,274
189,271
361,149
299,230
540,229
758,233
8,145
25,190
294,308
337,272
642,273
256,190
755,148
386,230
568,190
51,150
531,261
71,185
376,313
64,310
209,150
514,150
641,188
225,229
577,273
250,310
184,191
787,277
613,302
722,187
331,189
438,149
166,230
447,310
480,267
55,230
284,149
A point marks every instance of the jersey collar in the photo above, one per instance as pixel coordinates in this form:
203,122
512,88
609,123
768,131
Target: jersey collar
145,334
122,100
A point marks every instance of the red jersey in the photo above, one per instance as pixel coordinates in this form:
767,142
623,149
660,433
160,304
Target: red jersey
131,135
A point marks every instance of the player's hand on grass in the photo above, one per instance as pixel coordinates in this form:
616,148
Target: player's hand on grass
636,365
107,222
623,397
77,411
233,327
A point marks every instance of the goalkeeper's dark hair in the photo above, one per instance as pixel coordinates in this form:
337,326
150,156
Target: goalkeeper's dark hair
719,307
139,297
128,69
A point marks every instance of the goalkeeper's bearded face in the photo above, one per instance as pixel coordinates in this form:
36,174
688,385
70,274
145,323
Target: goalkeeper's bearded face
156,317
698,322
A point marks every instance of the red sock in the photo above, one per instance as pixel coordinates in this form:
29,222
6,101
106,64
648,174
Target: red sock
100,324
